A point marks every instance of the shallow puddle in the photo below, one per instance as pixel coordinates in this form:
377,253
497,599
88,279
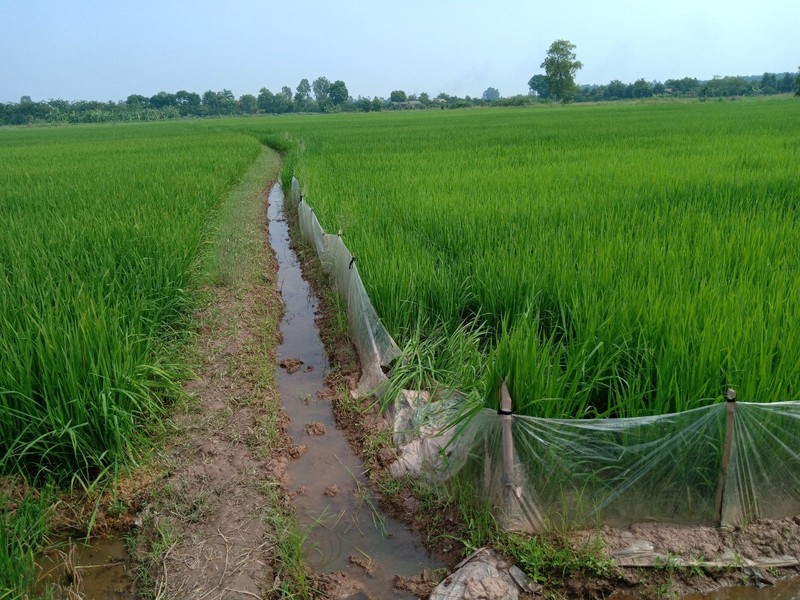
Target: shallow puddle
348,531
788,589
93,570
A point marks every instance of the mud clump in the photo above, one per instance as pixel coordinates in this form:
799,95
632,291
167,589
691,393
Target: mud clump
369,565
421,584
385,456
332,491
315,428
291,365
297,450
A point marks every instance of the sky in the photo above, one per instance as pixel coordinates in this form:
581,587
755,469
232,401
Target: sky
109,49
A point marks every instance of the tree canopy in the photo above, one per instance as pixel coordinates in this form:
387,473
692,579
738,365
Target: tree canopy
491,94
337,93
797,84
560,66
539,86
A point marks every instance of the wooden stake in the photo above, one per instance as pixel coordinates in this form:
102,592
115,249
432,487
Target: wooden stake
730,420
509,487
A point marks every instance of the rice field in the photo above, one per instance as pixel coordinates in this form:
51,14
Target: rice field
618,260
102,229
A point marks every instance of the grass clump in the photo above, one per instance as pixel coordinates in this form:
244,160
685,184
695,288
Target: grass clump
23,525
291,580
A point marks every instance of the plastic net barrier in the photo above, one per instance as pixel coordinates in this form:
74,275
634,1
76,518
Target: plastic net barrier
728,463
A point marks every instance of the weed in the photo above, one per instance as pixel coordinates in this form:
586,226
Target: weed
291,580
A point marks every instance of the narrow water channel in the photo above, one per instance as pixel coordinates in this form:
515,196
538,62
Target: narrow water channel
348,531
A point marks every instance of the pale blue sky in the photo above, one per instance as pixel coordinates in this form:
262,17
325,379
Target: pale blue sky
106,49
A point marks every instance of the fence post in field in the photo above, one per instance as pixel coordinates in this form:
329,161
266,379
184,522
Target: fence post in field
509,483
730,420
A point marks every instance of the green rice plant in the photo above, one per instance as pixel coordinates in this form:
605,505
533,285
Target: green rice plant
623,260
443,361
23,524
102,229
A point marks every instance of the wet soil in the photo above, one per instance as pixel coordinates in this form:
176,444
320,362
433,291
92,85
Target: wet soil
782,590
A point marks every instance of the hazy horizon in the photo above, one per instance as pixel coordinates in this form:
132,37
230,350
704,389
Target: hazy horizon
91,50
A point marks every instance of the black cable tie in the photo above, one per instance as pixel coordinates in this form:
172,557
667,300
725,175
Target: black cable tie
500,411
352,260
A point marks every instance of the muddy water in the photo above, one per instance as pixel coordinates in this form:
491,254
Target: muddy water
93,570
788,589
333,500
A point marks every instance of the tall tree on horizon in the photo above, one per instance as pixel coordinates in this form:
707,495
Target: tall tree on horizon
560,65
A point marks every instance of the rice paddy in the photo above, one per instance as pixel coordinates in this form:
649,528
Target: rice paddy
619,260
616,260
102,227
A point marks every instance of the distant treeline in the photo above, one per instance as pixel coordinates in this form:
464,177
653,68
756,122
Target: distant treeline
325,96
767,84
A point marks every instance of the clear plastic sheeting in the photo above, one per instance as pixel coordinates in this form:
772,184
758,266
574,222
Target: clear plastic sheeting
584,473
424,432
764,475
376,348
724,464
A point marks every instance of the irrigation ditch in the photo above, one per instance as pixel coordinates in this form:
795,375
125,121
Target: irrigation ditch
348,533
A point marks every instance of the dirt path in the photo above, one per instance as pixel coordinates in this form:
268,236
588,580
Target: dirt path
209,531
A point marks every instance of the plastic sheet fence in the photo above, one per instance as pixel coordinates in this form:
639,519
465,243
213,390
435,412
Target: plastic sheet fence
555,473
621,471
376,348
